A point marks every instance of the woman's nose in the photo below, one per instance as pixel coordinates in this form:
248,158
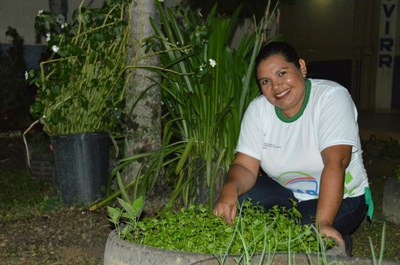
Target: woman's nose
275,85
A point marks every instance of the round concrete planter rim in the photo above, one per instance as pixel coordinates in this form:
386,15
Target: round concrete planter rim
118,251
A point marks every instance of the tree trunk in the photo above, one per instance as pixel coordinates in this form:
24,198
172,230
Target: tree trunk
143,97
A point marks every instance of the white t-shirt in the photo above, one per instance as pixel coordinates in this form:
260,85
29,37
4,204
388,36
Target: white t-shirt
289,149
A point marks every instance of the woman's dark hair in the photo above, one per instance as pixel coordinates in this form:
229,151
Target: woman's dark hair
277,48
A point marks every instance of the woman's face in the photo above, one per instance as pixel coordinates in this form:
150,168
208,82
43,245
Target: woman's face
282,83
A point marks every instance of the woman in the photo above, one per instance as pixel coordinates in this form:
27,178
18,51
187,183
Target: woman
303,134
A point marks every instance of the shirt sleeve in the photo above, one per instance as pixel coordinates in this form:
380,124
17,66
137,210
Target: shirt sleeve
251,137
338,120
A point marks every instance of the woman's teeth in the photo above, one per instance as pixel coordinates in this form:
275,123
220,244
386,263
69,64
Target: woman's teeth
282,93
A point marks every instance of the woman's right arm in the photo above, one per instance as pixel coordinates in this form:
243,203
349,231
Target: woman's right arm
242,176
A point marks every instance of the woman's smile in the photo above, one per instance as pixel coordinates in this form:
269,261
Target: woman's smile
283,94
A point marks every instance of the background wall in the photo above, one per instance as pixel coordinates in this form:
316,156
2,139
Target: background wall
321,30
20,14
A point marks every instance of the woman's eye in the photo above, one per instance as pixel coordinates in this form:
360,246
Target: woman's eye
281,73
263,82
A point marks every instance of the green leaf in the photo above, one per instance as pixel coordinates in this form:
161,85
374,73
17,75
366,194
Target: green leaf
184,155
114,214
138,205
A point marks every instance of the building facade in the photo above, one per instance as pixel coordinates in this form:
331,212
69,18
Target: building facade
353,42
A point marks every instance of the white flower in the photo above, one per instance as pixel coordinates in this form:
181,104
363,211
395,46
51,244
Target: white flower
39,12
47,36
64,25
26,75
213,63
55,48
202,67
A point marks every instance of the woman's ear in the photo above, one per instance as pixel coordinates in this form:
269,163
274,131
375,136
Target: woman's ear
303,67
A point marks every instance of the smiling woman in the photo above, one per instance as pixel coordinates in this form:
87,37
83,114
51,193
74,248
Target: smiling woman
299,127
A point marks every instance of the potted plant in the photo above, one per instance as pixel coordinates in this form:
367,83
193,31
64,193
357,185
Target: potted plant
81,93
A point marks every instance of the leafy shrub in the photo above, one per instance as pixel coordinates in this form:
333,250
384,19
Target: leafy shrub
81,87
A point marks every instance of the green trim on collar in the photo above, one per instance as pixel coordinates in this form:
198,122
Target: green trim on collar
283,118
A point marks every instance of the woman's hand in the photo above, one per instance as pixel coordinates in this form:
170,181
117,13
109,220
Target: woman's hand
226,205
340,249
329,231
241,177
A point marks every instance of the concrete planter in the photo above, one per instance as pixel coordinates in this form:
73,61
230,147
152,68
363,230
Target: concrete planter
119,251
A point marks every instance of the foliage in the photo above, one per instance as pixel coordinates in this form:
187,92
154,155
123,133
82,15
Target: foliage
382,247
278,227
206,101
388,148
206,87
128,216
171,154
397,173
381,148
81,86
49,204
21,196
14,93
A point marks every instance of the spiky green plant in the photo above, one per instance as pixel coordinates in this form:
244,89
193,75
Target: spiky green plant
206,87
209,96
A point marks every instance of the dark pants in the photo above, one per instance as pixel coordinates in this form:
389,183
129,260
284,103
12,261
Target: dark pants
267,193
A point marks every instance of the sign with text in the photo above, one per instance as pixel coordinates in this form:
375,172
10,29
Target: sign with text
386,51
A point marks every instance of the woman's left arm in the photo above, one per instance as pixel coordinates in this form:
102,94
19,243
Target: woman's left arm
336,159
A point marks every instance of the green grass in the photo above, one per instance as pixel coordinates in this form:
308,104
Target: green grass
22,196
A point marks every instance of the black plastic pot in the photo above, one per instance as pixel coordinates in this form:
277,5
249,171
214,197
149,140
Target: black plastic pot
82,166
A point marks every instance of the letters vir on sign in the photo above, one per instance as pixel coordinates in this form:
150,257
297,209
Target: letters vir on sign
386,41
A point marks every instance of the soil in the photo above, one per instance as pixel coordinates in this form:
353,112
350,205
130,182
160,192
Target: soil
71,235
67,236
